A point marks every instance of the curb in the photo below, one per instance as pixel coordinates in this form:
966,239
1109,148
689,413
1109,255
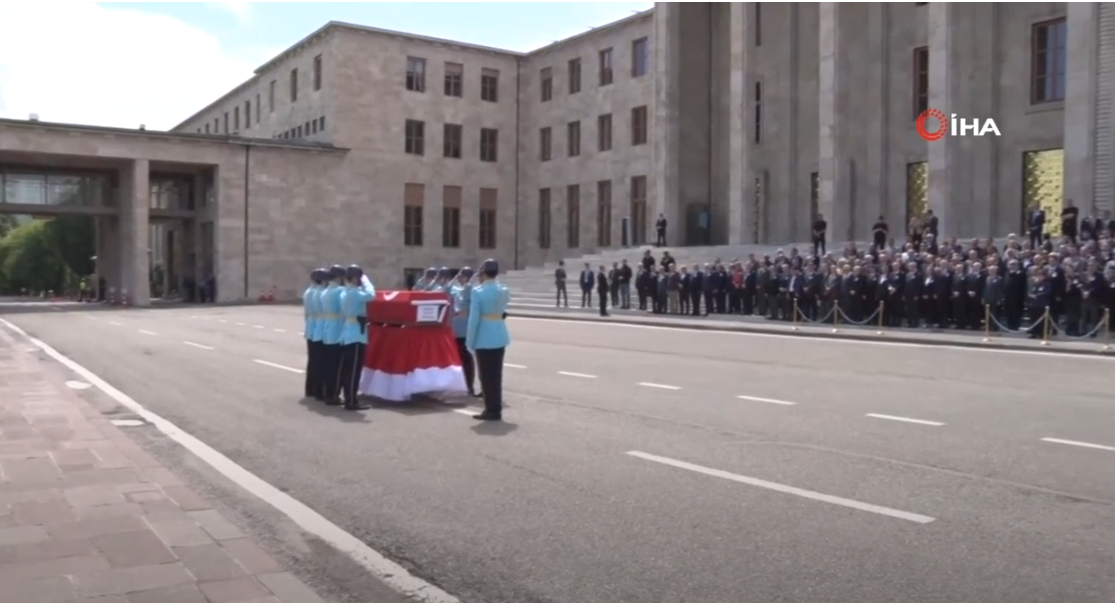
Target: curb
817,333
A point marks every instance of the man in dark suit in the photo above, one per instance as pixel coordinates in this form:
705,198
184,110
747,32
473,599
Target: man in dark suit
1036,224
820,232
795,287
1069,220
1038,300
602,287
1014,294
994,289
696,288
932,225
588,281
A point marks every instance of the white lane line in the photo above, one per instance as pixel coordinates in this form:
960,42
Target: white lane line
767,400
279,366
240,324
313,522
279,330
146,332
466,412
222,321
578,375
759,483
660,386
197,345
514,366
259,326
905,420
1080,444
115,324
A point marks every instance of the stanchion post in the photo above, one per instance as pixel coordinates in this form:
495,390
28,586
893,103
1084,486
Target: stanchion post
796,310
1045,327
1106,329
836,318
986,323
882,318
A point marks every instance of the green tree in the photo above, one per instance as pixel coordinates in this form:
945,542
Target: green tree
74,240
29,259
8,223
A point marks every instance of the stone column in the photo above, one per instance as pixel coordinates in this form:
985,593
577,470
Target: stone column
1080,103
667,46
834,162
963,170
740,205
133,242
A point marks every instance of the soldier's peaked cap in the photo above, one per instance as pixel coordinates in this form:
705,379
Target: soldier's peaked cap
490,267
354,271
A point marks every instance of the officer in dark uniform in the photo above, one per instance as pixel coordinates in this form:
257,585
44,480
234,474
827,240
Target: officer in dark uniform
487,337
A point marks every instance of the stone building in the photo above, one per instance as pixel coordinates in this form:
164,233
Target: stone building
736,121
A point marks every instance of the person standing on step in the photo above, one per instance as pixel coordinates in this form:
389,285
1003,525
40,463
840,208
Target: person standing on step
820,234
603,288
660,231
461,293
588,281
560,276
311,309
487,337
355,295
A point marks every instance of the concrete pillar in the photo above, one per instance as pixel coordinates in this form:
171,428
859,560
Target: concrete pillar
667,49
740,206
1080,103
963,170
834,162
134,239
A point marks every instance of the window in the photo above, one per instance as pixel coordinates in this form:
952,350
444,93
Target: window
416,74
453,135
293,85
271,97
317,73
545,218
758,113
573,138
574,76
226,122
206,128
573,215
259,108
604,213
604,132
298,132
814,195
454,79
451,216
545,141
546,76
236,119
921,80
247,114
489,85
415,137
312,126
638,210
606,75
639,58
414,197
1047,71
758,25
321,123
488,218
639,125
489,144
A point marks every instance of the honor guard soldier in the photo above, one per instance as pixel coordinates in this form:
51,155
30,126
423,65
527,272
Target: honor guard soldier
423,284
442,284
461,294
487,337
357,292
332,326
312,309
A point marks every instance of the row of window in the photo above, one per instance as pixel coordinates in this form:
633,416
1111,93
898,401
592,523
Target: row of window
639,132
454,80
414,134
414,214
637,208
307,129
233,127
640,65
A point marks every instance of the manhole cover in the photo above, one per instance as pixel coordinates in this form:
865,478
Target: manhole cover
127,422
78,385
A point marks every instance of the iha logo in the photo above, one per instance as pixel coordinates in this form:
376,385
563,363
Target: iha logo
933,124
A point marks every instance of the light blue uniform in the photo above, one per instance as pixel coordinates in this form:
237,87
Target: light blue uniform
420,284
317,329
434,286
354,305
332,321
462,297
487,330
309,312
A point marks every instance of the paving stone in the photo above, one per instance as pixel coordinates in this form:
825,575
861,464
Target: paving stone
81,456
133,549
29,470
288,588
105,511
22,535
161,476
180,532
57,589
187,593
186,498
216,525
48,513
163,509
93,496
33,570
38,495
112,458
233,591
141,497
97,526
253,558
209,562
47,550
101,476
127,580
143,486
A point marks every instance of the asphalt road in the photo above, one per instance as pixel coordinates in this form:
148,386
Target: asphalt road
657,465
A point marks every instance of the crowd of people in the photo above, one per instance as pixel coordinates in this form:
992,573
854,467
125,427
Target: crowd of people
1038,285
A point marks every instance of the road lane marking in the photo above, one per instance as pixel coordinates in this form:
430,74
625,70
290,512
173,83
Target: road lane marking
240,324
767,400
146,332
309,520
279,330
115,324
759,483
578,375
279,366
222,321
466,412
514,366
660,386
259,326
905,420
197,345
1080,444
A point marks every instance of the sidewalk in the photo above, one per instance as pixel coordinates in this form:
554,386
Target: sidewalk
86,515
741,324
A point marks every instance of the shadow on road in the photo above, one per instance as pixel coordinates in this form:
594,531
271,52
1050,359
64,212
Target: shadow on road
336,412
494,428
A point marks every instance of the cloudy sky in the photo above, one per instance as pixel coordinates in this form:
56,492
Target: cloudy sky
130,63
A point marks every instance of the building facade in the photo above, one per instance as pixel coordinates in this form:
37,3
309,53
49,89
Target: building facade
737,122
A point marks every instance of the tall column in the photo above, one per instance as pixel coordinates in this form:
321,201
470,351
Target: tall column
1080,113
963,170
134,239
667,48
834,162
740,205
